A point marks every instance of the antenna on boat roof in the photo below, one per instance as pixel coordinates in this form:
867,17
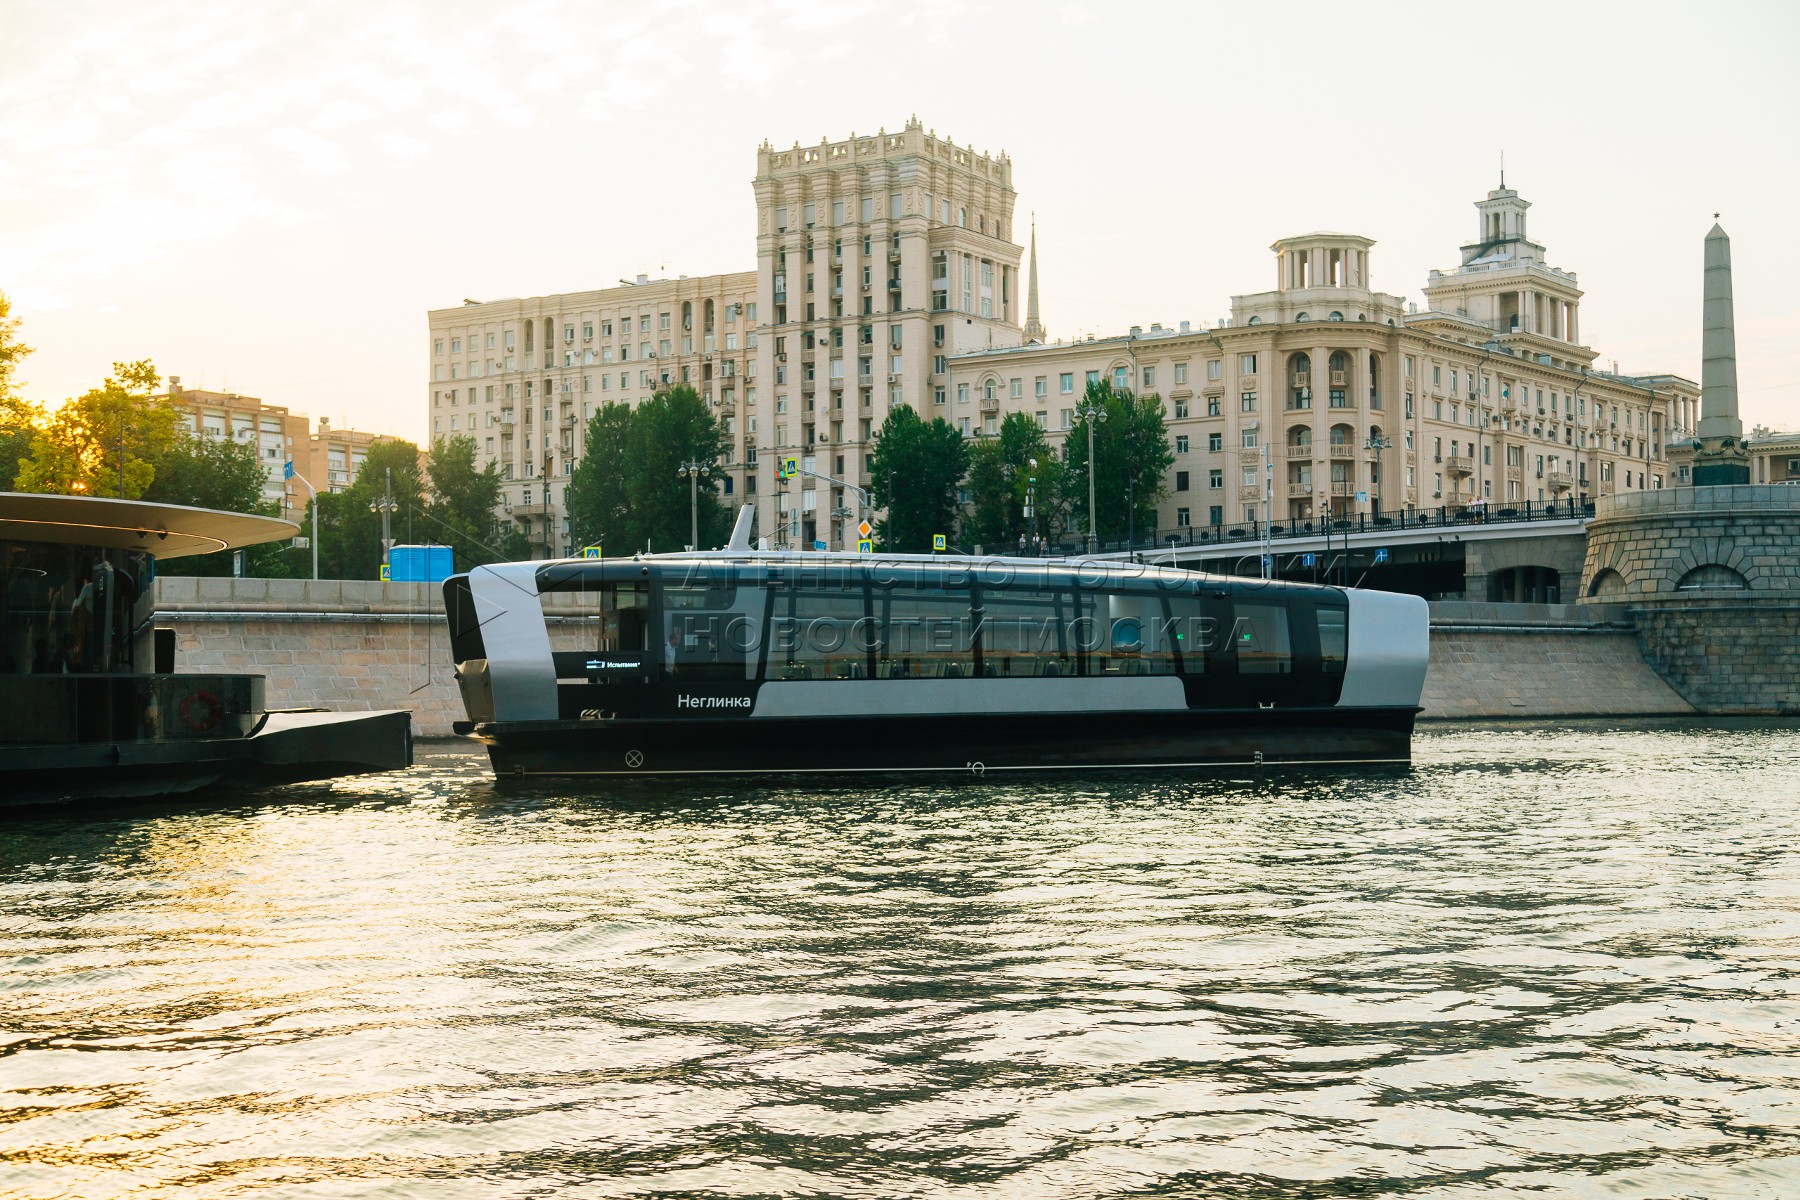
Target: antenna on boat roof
740,532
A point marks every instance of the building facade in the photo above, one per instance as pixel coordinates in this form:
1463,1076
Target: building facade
878,259
1325,398
328,458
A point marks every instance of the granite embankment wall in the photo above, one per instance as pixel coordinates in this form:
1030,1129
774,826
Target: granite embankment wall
1540,660
355,644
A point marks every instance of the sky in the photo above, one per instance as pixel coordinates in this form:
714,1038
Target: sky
267,198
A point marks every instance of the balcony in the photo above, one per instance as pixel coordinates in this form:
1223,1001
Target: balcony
1343,450
990,404
1341,487
1459,464
1300,451
1340,379
1299,379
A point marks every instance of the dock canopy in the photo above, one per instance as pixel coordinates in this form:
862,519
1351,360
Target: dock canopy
163,530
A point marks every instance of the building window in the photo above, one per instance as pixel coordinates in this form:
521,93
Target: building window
1181,481
1215,479
1180,375
1067,383
1212,406
1215,442
1246,364
1247,402
1181,443
1182,518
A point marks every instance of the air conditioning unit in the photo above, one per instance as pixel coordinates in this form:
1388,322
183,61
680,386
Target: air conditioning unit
893,379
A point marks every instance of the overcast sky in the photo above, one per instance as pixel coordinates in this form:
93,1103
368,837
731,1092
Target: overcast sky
267,197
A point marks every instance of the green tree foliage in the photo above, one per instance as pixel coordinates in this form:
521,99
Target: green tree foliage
917,469
19,419
1001,475
350,531
216,472
1130,447
627,494
78,448
463,509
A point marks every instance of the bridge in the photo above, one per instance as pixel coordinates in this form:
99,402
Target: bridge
1529,553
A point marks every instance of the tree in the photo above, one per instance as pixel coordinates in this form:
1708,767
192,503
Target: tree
918,469
599,494
216,472
19,419
350,531
627,493
1001,478
463,510
106,441
1131,448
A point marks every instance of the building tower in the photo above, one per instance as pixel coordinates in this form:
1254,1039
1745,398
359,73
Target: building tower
877,258
1034,325
1721,456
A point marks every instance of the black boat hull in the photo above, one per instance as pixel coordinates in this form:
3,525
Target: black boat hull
955,744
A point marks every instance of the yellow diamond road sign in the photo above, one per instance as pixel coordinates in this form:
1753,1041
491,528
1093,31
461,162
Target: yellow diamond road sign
865,529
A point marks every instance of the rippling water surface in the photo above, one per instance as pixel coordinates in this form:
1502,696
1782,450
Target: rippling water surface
1555,962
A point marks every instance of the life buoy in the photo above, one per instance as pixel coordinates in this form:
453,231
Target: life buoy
200,711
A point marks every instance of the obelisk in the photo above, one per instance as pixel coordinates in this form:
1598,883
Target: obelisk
1721,458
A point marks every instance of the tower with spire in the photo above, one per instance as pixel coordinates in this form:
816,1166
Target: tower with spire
1034,325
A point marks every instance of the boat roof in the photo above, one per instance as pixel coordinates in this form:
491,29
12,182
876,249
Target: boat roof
165,530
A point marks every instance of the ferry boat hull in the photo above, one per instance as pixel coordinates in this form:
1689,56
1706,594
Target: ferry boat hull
959,744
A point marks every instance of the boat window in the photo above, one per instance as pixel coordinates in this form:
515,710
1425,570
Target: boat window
73,609
1027,629
1334,639
923,630
1139,638
711,630
1259,634
819,632
1192,632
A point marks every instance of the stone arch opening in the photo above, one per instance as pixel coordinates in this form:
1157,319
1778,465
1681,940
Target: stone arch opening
1531,584
1607,584
1712,577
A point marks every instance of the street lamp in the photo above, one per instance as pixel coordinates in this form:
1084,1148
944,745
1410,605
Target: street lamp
385,505
692,471
1093,412
841,514
1031,500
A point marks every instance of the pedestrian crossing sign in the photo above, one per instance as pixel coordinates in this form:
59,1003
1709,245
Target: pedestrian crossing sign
865,546
790,467
590,552
938,541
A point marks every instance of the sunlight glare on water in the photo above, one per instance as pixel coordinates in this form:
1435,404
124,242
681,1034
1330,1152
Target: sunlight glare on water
1555,961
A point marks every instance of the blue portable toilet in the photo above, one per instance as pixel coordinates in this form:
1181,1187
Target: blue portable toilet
420,564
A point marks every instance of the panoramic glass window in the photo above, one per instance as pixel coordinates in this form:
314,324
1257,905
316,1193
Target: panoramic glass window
1261,638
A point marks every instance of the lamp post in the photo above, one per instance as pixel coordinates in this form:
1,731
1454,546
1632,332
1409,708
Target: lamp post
1031,501
549,544
841,514
692,471
314,506
385,506
1094,413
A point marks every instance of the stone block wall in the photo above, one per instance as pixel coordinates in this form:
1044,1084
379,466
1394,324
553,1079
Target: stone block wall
1712,578
1533,661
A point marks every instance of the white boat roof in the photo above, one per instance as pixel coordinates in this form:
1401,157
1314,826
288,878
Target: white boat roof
165,530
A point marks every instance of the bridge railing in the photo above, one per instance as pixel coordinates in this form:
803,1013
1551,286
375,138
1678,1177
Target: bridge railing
1250,533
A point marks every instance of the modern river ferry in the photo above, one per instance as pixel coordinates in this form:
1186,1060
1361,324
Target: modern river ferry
754,662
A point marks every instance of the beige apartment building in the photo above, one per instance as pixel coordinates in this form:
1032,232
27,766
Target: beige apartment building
1325,396
328,458
879,258
1774,457
522,377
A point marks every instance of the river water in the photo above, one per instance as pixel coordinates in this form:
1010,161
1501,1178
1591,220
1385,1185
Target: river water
1560,962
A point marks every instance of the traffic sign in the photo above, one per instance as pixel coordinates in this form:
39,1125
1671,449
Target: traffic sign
865,529
865,546
790,467
817,544
1381,556
938,541
1362,497
384,573
1309,560
590,552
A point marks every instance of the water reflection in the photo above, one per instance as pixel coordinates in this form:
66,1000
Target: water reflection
1560,960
